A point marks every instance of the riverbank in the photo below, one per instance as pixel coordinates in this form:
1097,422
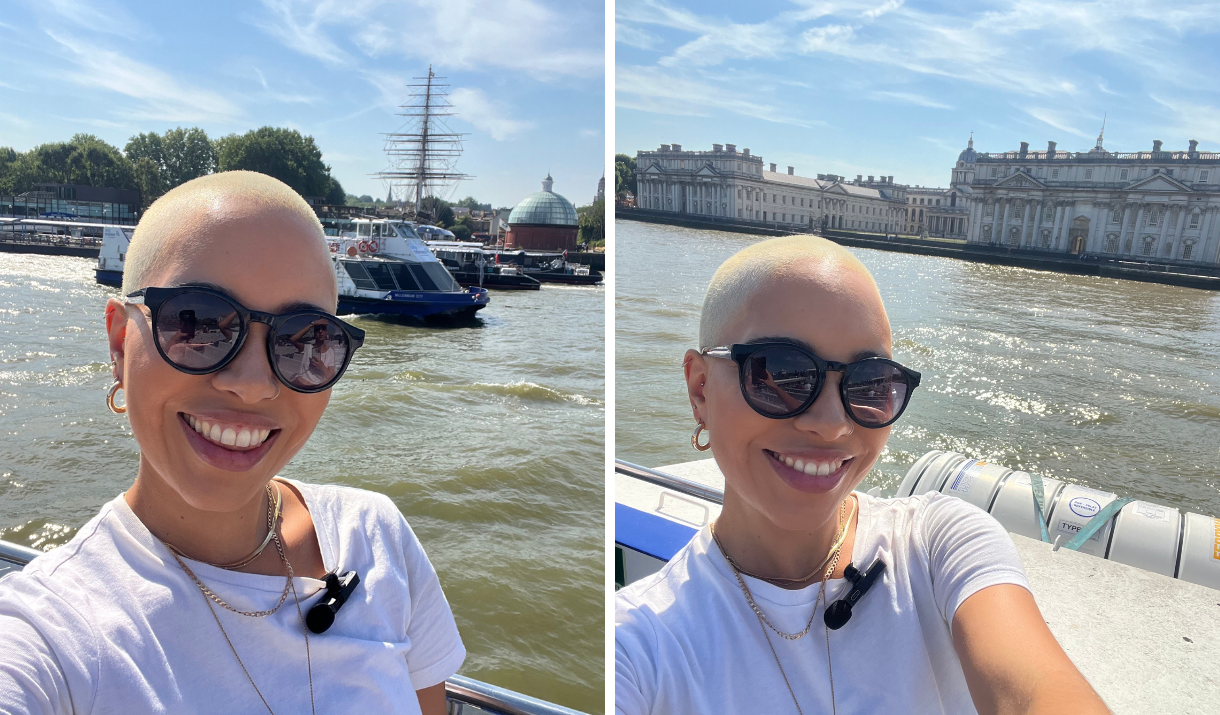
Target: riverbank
48,248
1169,274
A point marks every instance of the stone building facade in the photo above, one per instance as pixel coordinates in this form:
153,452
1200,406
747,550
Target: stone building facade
1147,205
728,184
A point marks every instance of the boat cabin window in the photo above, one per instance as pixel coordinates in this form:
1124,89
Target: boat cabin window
440,277
363,229
425,280
380,274
405,280
360,276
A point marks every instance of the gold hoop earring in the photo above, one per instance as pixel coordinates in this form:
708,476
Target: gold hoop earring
277,390
694,439
110,398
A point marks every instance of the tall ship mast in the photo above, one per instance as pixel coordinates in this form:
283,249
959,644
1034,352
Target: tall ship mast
423,159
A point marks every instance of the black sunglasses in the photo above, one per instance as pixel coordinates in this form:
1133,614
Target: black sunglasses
781,380
200,330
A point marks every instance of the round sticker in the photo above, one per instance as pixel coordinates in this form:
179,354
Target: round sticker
1084,506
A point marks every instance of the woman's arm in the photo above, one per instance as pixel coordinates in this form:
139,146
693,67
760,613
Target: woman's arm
432,700
1013,663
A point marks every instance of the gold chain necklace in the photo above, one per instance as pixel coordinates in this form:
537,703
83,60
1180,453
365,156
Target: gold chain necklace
763,623
217,599
279,547
273,516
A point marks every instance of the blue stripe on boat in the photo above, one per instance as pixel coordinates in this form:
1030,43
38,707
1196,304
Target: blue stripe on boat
649,534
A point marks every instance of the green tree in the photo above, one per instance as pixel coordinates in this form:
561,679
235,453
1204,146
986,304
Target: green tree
473,204
591,220
179,155
283,153
624,175
438,211
148,181
8,163
84,159
463,228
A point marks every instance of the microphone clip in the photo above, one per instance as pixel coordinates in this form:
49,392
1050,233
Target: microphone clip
338,590
839,613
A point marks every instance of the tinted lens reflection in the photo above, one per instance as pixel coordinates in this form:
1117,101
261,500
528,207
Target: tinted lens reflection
197,331
778,381
876,391
309,351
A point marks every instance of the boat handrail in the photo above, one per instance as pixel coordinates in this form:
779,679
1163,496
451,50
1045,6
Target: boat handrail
460,691
669,481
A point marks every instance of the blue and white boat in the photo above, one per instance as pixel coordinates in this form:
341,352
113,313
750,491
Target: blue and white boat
384,268
110,257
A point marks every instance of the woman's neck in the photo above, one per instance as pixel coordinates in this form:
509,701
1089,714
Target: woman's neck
758,545
217,537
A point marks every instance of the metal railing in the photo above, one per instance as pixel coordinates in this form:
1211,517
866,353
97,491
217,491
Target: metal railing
669,481
465,696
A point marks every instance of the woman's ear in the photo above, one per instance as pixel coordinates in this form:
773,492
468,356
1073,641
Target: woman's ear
694,366
116,335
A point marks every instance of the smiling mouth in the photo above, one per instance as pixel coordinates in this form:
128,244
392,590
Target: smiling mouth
813,468
234,437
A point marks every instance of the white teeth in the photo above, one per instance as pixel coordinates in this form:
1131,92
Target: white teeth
215,433
824,469
811,468
788,461
240,437
262,435
243,438
798,465
202,426
228,437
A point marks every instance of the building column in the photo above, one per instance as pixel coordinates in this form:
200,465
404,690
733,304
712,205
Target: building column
1036,238
1137,240
1160,239
1061,238
1057,208
1003,224
1122,229
1024,223
1205,239
1181,228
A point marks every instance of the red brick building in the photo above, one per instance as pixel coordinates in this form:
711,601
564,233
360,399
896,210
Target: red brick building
544,221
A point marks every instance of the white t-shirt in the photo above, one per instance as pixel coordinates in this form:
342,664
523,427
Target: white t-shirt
686,640
109,623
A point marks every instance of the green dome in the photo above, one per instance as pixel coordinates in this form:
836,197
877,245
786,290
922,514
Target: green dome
545,207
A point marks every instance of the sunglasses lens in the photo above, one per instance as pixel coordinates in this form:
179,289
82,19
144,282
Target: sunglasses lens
197,331
310,351
876,392
778,381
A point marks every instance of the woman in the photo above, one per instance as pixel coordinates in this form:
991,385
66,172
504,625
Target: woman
795,385
189,592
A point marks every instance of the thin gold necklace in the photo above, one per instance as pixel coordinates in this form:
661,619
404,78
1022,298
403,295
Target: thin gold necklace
210,596
273,516
763,622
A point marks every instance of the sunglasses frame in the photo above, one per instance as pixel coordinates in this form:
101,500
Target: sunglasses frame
741,352
154,298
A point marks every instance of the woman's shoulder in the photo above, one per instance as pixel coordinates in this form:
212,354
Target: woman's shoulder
923,518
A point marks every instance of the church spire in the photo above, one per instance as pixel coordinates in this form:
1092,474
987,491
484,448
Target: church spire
970,142
1102,132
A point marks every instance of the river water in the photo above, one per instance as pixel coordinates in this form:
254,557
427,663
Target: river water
1106,383
489,437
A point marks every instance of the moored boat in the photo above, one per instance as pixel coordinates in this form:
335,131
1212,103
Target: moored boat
470,265
110,257
548,267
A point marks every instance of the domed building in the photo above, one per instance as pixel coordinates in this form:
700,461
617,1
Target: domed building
544,221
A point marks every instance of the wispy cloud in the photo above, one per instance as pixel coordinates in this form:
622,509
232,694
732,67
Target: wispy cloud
1056,120
284,97
486,114
653,90
909,98
93,16
524,35
158,95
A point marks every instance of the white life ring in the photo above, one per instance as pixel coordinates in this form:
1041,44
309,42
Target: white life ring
373,246
364,246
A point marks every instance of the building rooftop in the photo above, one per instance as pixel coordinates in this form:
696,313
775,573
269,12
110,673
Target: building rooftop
544,208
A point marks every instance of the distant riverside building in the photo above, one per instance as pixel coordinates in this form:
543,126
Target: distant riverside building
543,221
1158,204
94,204
726,184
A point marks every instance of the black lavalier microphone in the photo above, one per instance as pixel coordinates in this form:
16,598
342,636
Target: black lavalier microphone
839,613
338,590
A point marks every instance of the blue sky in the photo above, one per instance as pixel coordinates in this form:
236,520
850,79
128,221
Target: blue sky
885,87
527,76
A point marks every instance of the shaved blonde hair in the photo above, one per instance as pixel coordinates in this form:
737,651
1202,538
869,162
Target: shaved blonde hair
748,270
213,195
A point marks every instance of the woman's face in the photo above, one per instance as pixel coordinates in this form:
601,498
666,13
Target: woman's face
836,313
267,261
